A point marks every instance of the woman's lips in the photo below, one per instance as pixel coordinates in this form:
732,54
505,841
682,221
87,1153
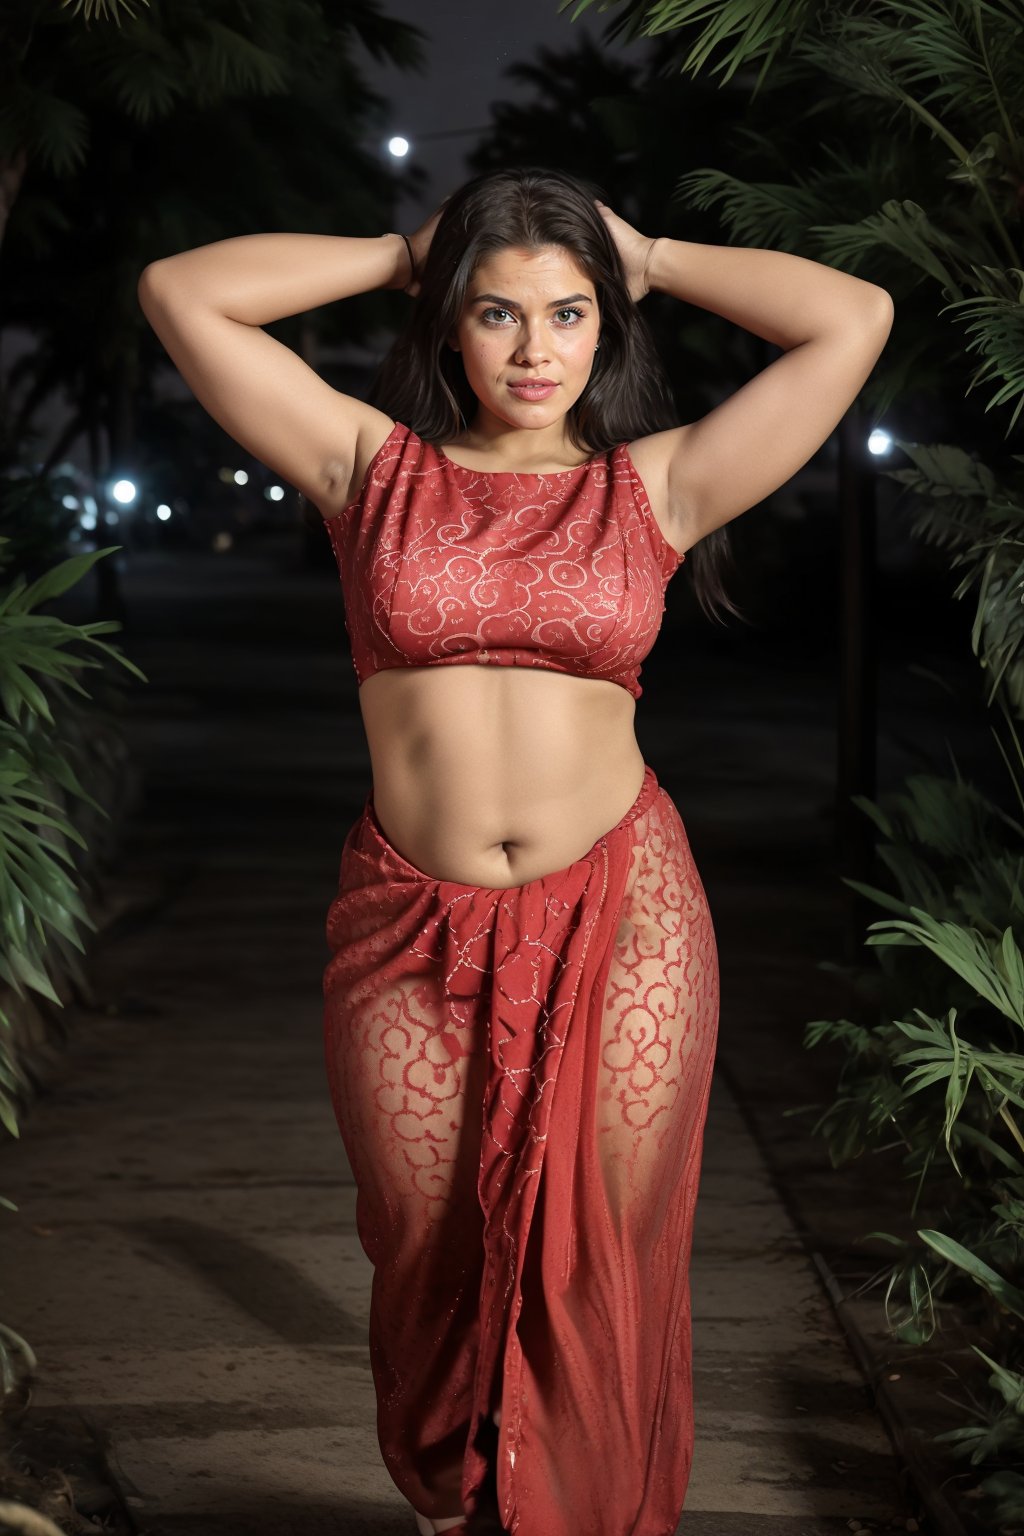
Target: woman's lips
533,391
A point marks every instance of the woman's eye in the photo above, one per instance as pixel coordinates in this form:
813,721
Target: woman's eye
575,315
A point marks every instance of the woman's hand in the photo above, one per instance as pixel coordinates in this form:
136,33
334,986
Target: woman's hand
634,250
420,243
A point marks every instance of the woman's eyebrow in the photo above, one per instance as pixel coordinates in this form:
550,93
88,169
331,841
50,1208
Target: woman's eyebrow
495,298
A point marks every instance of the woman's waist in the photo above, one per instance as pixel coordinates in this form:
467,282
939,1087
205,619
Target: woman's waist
496,787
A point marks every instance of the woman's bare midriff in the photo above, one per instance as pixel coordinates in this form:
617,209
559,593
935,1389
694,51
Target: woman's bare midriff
496,775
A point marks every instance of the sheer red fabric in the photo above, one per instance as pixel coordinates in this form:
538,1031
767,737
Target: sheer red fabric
521,1076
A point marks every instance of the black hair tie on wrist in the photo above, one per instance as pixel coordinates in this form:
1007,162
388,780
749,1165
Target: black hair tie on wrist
412,264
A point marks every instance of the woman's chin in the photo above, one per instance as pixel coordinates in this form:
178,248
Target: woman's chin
531,415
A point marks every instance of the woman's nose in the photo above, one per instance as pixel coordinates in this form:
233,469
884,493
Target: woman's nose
530,347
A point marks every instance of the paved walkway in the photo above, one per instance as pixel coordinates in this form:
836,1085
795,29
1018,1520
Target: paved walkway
185,1261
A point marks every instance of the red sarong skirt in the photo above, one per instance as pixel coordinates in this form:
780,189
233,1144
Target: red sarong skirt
521,1078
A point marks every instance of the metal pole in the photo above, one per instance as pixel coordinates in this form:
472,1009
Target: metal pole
856,766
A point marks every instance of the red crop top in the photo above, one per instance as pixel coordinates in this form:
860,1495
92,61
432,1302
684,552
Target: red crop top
441,564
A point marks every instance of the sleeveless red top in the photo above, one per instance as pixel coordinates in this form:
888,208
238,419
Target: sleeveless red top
442,565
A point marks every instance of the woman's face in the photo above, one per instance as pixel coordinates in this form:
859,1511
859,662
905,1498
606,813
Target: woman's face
528,315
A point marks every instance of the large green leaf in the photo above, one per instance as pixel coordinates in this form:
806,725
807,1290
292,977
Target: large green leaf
32,975
953,1252
984,967
60,578
8,1115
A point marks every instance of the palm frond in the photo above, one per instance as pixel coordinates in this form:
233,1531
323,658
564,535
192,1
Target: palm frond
101,10
767,213
742,31
996,329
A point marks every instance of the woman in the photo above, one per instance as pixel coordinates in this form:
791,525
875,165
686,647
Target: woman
521,1004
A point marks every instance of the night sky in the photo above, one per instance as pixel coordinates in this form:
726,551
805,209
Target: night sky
471,43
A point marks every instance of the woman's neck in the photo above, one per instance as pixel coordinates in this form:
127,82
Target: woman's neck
497,444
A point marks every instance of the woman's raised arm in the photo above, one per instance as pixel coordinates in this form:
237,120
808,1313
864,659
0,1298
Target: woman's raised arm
831,327
208,305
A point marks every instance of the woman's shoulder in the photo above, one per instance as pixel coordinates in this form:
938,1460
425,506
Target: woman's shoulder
382,451
385,439
387,433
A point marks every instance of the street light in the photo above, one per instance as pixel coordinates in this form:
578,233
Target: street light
123,491
399,146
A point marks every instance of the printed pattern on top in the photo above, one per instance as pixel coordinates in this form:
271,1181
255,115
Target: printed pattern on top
443,564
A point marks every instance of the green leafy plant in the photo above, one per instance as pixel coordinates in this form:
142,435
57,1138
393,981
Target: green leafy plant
947,1082
41,911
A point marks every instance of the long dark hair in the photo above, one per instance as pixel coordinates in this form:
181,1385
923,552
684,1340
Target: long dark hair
422,382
